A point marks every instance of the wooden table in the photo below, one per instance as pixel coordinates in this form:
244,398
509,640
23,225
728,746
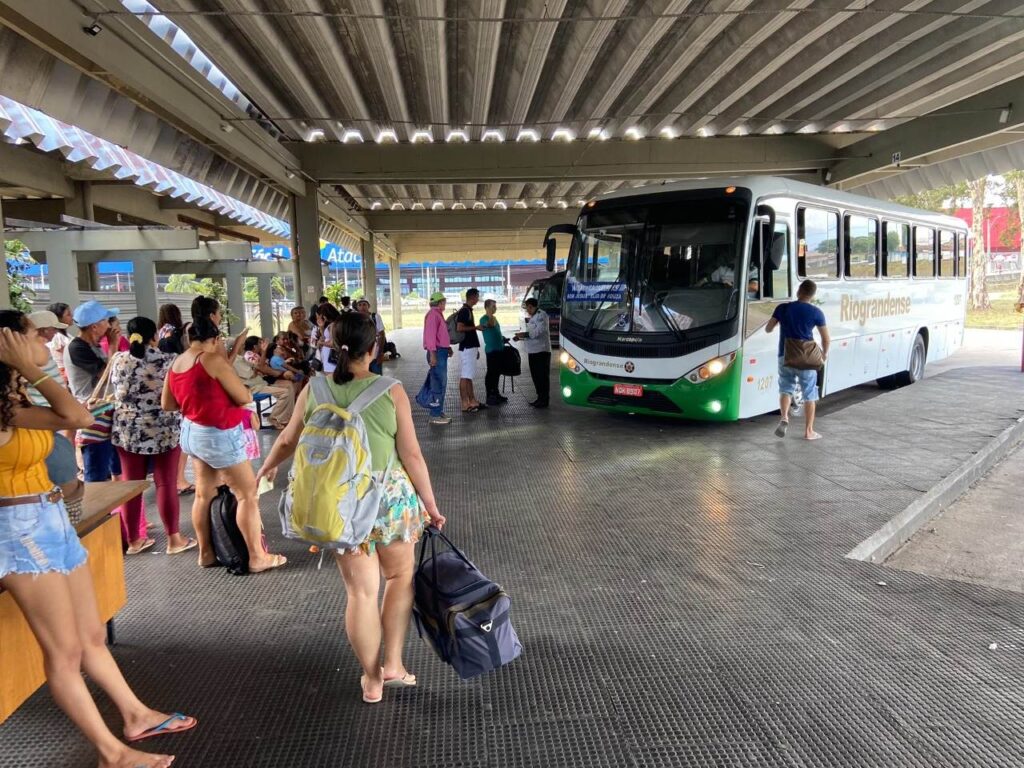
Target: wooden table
21,660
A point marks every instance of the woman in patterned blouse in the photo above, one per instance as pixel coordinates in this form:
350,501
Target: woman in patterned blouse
143,432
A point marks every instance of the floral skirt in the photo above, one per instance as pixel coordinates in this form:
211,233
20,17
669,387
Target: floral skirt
402,515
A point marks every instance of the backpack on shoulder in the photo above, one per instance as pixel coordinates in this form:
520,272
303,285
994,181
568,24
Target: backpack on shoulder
228,543
332,499
460,613
455,336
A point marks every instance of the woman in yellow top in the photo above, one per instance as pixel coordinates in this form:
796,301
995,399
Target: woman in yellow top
407,505
41,557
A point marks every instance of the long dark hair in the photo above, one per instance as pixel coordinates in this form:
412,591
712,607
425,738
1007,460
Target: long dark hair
12,393
145,328
354,336
59,308
169,315
203,328
329,313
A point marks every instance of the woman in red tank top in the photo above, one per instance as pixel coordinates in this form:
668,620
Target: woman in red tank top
203,386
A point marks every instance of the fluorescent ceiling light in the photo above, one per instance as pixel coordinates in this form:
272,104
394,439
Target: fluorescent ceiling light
842,128
421,135
437,206
376,205
478,206
457,136
351,135
519,204
418,206
563,134
459,206
668,132
315,134
397,207
704,132
500,206
598,134
809,128
775,129
563,204
387,135
739,130
541,204
492,134
581,202
634,133
528,134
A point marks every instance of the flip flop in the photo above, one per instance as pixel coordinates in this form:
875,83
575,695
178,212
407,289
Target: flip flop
409,681
367,699
187,490
165,728
815,436
190,544
780,431
141,548
278,561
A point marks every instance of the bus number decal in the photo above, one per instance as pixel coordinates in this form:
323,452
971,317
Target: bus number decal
765,383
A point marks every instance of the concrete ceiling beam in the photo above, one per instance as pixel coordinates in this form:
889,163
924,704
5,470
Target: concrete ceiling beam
44,175
392,222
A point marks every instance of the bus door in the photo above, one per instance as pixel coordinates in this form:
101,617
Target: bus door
770,283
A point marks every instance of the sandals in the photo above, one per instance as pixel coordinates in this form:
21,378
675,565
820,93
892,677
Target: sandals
277,562
141,547
407,681
187,490
165,728
367,699
189,544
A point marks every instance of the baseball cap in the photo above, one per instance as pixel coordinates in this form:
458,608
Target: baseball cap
93,312
46,319
437,297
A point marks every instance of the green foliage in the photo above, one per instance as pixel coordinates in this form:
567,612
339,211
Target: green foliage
334,292
944,199
251,288
411,296
18,260
183,284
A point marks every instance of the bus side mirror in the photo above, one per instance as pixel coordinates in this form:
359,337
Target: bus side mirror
549,241
551,253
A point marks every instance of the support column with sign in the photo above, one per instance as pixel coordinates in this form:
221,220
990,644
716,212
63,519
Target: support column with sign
309,281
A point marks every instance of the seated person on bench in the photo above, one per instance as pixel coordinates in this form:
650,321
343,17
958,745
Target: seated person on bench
253,369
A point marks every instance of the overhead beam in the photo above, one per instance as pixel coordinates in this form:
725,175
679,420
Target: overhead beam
391,222
970,125
20,167
558,161
219,268
109,240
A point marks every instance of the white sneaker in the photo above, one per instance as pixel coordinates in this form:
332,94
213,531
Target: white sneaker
441,420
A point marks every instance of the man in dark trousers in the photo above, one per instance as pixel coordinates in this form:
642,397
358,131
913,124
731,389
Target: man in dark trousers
538,350
798,320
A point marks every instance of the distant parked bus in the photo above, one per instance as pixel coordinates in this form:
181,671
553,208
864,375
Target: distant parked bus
668,291
548,293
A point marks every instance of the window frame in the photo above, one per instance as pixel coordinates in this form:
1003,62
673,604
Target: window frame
884,257
914,260
847,247
938,253
801,226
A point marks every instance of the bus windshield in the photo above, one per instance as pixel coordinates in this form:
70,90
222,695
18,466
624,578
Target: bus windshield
658,268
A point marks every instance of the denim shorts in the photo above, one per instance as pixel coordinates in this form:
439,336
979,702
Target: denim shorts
62,463
38,538
791,378
217,448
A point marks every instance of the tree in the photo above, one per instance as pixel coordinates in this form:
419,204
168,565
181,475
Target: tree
18,261
1014,195
179,283
976,274
944,199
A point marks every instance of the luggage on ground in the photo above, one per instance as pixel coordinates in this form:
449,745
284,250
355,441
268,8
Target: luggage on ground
332,499
511,364
462,615
228,543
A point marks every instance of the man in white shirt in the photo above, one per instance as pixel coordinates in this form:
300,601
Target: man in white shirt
538,350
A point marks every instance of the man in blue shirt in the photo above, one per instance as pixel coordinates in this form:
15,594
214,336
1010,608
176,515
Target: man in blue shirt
798,320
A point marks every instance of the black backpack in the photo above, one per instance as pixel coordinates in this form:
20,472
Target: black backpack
228,544
510,363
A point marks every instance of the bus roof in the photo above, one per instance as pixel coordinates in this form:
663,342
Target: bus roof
770,186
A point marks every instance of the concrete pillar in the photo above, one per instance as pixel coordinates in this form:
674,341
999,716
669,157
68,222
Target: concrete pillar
5,286
396,293
309,283
265,289
369,272
63,272
236,298
144,272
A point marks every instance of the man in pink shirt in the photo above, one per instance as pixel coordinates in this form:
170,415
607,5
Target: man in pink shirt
439,349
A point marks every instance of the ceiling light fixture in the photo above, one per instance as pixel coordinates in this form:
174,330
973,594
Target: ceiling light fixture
541,204
528,134
418,206
739,130
437,206
562,204
315,134
290,174
774,129
519,204
809,128
422,135
598,134
668,132
478,206
500,206
1004,115
563,134
397,207
705,132
459,206
351,135
387,135
634,133
458,135
492,134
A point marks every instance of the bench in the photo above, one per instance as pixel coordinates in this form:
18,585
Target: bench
264,401
21,660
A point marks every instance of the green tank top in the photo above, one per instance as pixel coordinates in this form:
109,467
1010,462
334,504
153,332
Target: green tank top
380,418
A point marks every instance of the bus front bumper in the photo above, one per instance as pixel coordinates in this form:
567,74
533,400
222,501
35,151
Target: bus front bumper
716,399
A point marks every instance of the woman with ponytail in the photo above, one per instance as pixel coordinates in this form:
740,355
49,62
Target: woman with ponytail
407,507
146,436
203,386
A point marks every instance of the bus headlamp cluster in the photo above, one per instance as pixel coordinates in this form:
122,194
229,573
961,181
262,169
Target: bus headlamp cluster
711,368
570,362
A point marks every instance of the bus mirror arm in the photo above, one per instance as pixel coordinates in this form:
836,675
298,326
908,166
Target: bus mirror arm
549,241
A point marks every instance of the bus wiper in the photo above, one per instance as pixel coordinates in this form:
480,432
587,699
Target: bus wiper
593,318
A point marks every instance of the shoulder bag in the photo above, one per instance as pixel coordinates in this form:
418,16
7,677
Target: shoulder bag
101,406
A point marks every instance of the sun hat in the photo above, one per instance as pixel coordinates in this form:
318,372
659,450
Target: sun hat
44,318
437,297
93,312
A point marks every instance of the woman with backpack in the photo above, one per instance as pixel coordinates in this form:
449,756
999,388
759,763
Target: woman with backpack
203,386
407,507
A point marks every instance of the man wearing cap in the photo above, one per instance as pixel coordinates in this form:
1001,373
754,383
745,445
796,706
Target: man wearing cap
84,363
438,346
47,325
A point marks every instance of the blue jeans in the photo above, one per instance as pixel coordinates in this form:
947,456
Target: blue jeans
100,462
438,377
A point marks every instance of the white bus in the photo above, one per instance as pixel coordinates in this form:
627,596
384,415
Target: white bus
668,290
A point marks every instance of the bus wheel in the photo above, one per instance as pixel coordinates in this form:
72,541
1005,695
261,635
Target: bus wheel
918,355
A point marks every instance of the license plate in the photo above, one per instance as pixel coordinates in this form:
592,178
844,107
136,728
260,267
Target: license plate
629,390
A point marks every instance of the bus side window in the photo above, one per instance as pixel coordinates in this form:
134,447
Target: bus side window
924,252
775,284
947,253
895,249
960,268
818,235
861,246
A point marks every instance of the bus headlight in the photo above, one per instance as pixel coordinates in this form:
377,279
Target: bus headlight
570,362
711,368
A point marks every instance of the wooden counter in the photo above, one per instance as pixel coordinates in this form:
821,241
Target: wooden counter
21,660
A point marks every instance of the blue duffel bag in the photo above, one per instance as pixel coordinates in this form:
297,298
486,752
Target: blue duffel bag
462,615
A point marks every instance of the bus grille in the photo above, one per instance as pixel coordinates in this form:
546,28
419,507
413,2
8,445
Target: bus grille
653,401
674,349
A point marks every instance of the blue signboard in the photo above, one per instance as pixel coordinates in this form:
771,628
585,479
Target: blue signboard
577,291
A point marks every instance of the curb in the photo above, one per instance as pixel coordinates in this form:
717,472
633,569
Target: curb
894,534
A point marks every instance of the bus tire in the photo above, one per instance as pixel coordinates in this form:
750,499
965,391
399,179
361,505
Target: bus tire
918,357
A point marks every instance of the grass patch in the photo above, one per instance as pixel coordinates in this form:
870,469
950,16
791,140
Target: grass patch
1002,315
